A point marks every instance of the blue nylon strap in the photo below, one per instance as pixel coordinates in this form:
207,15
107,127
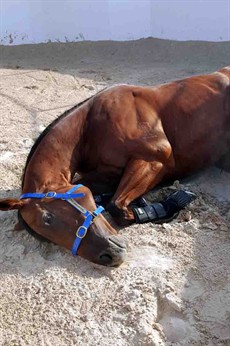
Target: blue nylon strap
52,195
80,234
55,195
99,210
87,213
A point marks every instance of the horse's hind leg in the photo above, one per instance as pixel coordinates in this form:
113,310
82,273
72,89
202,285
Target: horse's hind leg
224,162
138,178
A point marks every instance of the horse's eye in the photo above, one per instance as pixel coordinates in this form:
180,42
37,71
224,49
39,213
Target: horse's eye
47,218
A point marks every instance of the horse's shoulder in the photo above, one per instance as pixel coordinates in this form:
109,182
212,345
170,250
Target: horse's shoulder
116,96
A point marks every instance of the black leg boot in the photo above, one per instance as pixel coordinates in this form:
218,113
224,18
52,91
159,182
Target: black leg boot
164,211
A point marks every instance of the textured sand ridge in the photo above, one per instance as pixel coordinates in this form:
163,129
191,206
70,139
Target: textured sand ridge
174,288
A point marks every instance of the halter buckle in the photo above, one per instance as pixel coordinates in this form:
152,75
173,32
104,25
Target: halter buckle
50,194
81,232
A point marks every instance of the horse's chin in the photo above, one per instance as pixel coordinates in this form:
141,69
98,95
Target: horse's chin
108,260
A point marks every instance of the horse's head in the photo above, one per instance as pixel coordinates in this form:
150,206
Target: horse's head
71,219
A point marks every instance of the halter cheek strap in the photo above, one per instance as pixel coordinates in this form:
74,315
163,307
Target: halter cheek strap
82,230
70,198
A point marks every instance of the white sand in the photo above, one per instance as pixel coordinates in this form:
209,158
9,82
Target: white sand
174,288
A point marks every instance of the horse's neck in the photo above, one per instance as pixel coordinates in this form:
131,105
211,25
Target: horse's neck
55,160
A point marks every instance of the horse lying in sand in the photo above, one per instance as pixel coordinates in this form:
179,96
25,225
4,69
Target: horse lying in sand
130,137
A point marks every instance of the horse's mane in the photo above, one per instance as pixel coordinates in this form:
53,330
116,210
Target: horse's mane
46,131
34,147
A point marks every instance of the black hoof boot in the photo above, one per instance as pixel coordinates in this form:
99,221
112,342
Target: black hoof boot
164,211
139,202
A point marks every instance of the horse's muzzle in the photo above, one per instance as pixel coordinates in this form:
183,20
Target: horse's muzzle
115,254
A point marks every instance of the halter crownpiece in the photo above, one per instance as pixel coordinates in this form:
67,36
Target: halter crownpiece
69,197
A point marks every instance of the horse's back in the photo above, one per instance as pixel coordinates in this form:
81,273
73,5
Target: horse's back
192,113
196,119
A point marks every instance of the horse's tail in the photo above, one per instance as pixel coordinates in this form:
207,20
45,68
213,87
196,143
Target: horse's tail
226,71
225,161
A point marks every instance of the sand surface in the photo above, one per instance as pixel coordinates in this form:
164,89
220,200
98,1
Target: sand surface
174,288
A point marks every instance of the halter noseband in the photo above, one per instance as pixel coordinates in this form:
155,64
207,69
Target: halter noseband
69,197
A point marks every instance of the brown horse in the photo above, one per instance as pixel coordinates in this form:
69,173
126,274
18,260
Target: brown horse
127,136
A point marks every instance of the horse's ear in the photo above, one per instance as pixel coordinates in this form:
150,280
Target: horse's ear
8,204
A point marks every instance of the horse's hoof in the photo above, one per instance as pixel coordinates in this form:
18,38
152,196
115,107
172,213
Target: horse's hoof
117,214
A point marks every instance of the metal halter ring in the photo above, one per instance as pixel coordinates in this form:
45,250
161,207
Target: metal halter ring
83,234
50,194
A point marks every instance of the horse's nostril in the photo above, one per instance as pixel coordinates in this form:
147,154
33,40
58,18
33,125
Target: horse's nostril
106,258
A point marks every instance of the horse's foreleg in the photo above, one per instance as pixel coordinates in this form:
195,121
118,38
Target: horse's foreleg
224,161
138,178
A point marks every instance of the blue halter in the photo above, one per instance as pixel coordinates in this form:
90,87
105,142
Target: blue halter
69,197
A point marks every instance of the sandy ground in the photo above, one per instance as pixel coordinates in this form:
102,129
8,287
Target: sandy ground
174,288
